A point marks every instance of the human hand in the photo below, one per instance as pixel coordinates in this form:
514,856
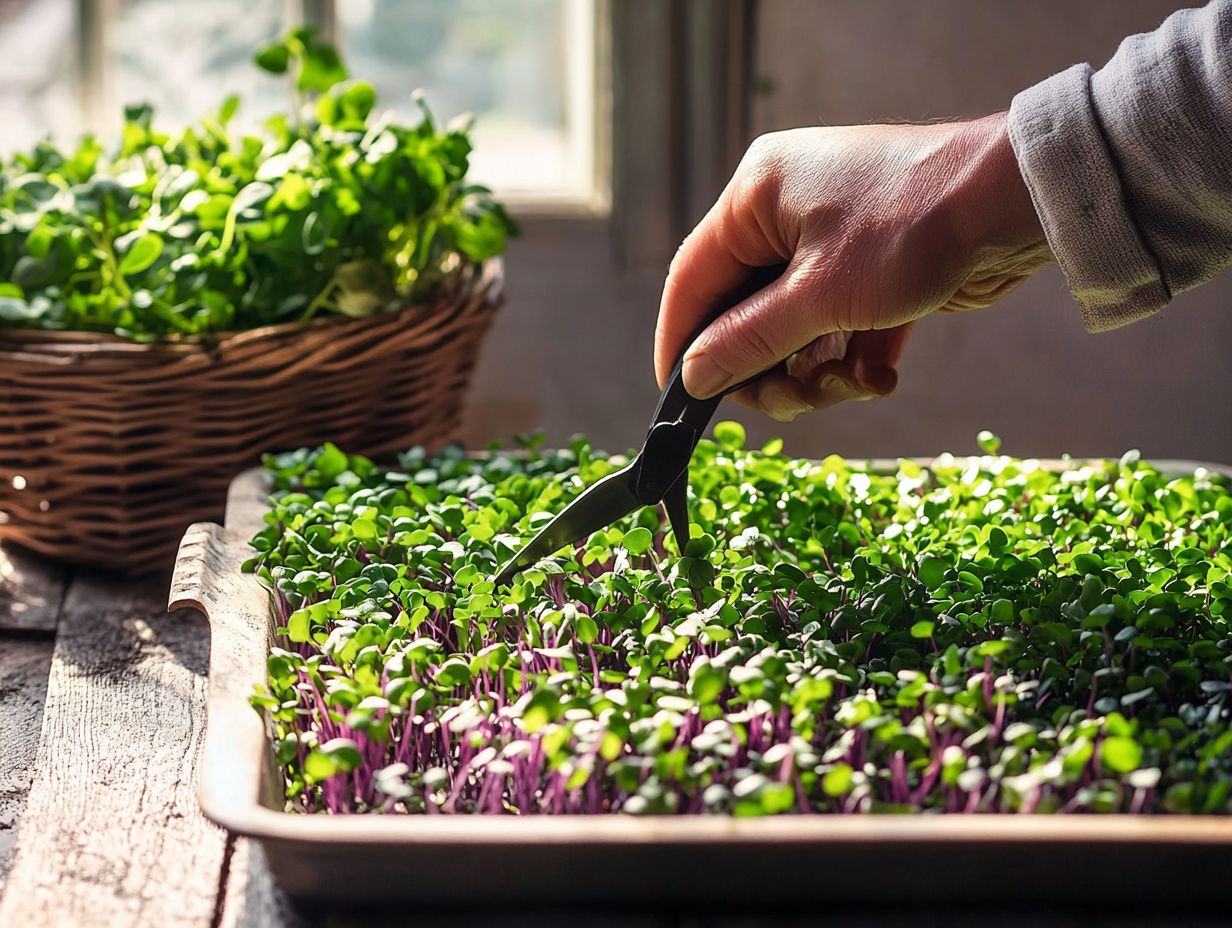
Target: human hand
877,226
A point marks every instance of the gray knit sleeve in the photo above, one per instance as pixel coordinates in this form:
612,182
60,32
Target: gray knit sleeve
1130,167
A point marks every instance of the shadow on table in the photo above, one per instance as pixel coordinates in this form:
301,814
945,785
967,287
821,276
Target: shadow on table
109,622
314,916
263,904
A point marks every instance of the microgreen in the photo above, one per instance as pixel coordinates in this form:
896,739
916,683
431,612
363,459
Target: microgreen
977,635
337,209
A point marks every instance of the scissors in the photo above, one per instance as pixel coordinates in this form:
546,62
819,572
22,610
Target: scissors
658,474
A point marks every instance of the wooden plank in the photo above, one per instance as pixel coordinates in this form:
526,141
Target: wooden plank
24,665
31,589
251,900
112,834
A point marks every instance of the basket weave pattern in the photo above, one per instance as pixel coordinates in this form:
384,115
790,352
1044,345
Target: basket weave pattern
108,448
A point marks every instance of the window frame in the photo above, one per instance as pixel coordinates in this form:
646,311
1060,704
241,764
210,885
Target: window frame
682,78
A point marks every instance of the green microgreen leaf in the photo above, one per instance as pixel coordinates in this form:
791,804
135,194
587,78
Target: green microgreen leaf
971,635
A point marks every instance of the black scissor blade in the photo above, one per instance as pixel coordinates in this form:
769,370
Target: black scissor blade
601,504
676,502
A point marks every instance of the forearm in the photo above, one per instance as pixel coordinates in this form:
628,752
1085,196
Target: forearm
1130,167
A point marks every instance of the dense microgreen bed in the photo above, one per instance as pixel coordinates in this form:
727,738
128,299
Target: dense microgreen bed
980,635
333,209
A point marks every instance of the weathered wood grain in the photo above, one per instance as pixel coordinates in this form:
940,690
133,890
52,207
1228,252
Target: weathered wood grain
24,665
250,898
30,592
112,834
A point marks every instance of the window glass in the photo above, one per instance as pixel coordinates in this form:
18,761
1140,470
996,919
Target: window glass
37,72
523,68
184,58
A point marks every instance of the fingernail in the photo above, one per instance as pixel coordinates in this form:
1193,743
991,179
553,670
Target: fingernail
702,377
837,386
783,407
832,390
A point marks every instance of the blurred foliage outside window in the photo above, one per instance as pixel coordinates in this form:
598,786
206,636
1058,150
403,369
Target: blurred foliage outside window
524,68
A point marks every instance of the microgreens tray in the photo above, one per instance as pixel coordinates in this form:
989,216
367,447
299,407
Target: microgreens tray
721,857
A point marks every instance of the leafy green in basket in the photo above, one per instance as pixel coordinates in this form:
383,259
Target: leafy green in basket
336,209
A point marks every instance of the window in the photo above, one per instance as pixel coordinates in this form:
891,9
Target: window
184,58
526,69
38,71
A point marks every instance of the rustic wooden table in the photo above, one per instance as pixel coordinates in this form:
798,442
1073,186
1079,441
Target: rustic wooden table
102,710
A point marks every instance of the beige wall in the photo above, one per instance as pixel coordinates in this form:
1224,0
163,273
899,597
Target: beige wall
572,350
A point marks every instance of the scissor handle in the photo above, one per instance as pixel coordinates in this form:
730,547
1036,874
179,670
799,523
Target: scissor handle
675,402
680,418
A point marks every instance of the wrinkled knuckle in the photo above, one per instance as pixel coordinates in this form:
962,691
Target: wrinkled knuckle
779,142
762,166
806,288
747,349
761,146
822,288
808,280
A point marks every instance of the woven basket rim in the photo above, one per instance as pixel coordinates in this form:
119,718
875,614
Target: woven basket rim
29,344
120,444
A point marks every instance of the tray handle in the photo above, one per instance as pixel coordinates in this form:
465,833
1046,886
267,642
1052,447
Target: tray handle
235,775
197,567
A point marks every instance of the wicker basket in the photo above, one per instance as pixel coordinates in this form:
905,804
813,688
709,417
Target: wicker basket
108,449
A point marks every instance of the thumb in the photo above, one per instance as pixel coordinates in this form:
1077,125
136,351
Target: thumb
755,335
